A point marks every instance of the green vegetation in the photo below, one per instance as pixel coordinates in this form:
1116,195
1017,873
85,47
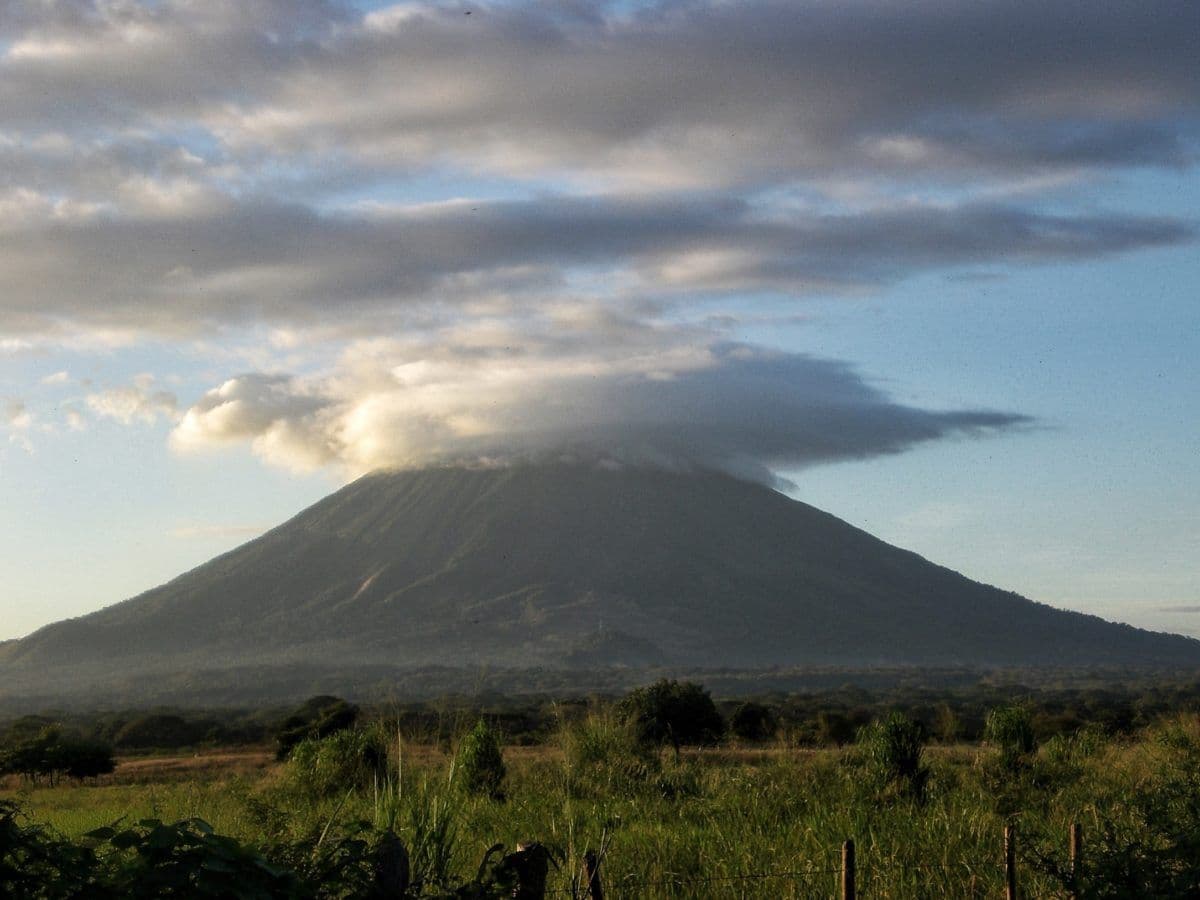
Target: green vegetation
480,764
52,754
670,712
318,717
892,751
753,721
387,796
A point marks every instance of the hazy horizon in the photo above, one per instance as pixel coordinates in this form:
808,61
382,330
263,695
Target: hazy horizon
931,268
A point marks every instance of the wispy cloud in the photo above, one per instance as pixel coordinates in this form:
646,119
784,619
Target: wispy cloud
138,402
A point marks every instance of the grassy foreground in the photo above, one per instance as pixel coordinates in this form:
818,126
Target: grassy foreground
722,823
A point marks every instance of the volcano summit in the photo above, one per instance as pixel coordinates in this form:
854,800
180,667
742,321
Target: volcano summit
568,566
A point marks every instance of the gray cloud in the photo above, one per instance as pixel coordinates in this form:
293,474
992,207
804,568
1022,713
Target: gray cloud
259,260
679,90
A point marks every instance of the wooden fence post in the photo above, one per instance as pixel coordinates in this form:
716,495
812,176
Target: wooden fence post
531,864
1010,862
1076,857
848,888
591,875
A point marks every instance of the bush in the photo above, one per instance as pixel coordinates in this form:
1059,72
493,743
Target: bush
479,763
1010,729
317,717
605,758
892,750
674,713
753,722
35,862
343,761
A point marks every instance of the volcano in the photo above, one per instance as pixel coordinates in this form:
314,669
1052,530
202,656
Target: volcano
569,566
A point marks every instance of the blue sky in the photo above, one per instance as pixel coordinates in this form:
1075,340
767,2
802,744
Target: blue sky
934,269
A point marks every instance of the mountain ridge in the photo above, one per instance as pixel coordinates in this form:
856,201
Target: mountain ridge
551,565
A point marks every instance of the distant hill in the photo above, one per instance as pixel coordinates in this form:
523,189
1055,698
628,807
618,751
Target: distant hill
567,566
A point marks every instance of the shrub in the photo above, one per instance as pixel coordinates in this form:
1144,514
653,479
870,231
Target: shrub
672,712
317,717
340,762
35,862
892,750
605,758
1010,729
753,722
479,763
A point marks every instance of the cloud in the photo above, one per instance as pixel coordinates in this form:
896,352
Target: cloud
279,415
61,377
732,406
74,419
523,198
138,402
670,91
17,415
265,261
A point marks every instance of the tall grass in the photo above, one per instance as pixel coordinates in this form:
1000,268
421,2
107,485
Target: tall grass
724,824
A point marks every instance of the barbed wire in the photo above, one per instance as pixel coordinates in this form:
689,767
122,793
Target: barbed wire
864,871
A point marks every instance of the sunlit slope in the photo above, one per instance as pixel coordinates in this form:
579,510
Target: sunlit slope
574,565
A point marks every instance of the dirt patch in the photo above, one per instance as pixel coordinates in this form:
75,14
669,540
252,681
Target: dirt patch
191,765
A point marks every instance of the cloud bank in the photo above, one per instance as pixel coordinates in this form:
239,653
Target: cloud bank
730,406
505,235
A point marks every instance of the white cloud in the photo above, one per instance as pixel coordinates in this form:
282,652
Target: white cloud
62,377
17,415
74,419
488,395
138,402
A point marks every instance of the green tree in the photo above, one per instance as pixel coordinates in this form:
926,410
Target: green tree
753,722
670,712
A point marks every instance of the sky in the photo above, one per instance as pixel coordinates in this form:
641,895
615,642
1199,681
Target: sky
930,266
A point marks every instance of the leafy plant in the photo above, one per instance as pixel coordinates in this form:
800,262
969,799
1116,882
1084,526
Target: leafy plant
479,764
343,761
1010,730
892,750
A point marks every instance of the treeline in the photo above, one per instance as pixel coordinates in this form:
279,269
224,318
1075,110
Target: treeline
825,717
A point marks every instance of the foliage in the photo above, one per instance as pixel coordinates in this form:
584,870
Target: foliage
345,760
479,763
1142,837
672,712
604,758
159,731
753,722
1010,729
892,749
51,753
317,717
36,863
186,859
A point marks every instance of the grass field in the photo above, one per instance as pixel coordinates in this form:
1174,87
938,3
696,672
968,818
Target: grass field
730,822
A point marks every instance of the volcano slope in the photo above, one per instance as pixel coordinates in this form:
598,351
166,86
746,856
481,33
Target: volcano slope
569,565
